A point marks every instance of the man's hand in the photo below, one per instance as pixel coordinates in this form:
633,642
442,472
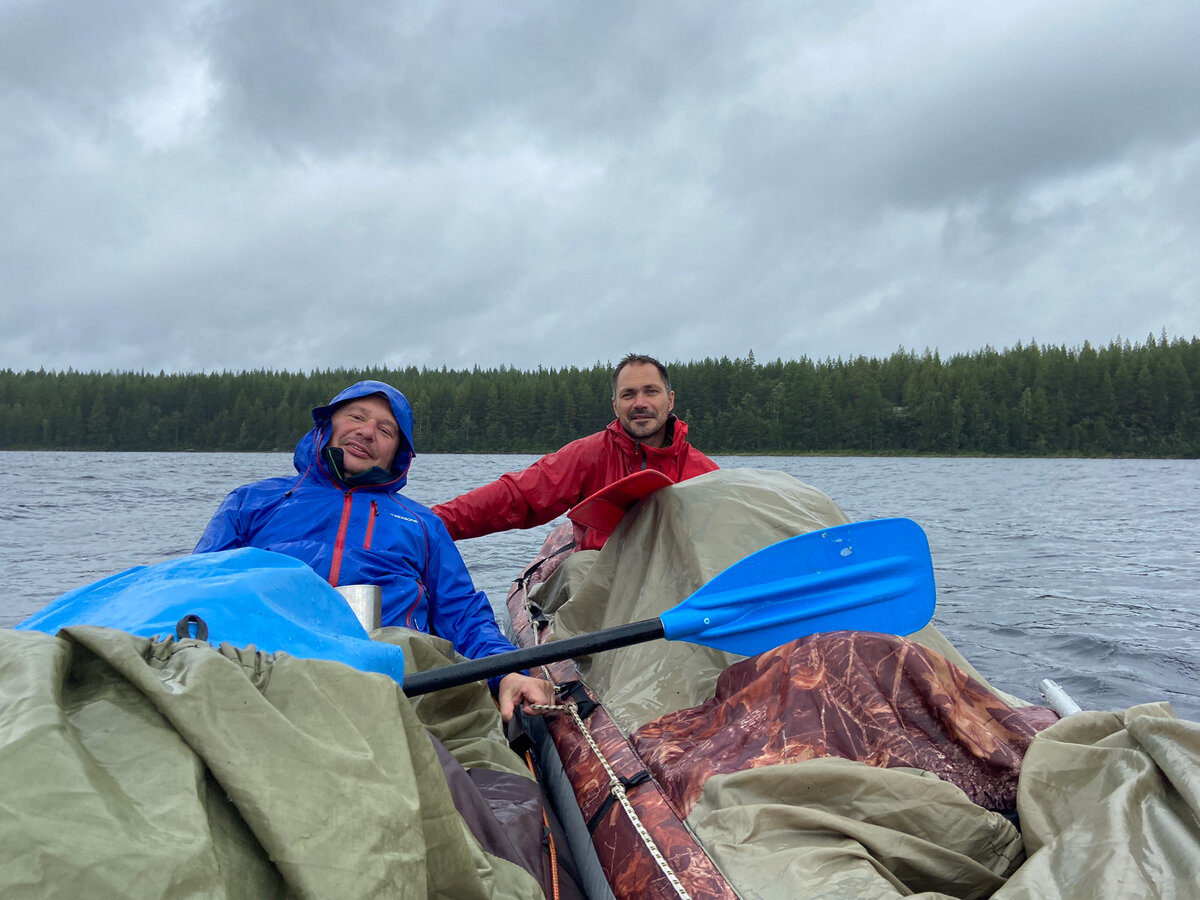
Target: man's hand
517,689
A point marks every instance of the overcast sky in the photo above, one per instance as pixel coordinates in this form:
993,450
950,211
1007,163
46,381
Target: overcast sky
204,185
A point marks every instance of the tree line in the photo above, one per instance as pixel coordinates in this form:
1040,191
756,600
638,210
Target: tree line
1125,399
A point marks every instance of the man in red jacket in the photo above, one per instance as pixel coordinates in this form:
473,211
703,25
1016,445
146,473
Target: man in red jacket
645,435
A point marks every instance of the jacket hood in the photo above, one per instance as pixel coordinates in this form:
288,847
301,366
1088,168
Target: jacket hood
400,409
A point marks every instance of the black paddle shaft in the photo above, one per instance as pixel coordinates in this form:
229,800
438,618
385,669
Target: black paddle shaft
502,663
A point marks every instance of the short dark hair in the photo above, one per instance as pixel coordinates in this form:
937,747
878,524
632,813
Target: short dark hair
638,359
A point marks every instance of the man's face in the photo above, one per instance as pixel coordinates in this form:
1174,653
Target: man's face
367,433
643,403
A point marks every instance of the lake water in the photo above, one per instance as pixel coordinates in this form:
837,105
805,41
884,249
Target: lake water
1084,571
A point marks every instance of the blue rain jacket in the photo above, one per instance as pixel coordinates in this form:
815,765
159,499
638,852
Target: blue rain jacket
368,534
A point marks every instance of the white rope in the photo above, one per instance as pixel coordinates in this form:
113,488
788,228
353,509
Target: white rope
617,789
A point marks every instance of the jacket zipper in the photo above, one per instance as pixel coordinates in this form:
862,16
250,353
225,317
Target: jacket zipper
408,619
339,545
371,525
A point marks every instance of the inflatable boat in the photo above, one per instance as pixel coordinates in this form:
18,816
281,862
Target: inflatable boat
162,733
849,763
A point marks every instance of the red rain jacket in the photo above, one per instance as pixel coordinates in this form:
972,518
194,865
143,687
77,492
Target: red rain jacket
559,480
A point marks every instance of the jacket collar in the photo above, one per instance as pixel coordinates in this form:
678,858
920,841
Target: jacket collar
676,437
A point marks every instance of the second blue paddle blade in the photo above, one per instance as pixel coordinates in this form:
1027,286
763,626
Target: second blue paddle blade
875,575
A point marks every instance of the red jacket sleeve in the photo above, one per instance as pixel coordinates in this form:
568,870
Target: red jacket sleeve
531,497
559,480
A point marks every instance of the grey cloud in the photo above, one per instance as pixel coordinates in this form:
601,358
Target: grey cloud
225,185
1043,113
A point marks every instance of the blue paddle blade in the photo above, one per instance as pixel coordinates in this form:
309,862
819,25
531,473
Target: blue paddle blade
866,576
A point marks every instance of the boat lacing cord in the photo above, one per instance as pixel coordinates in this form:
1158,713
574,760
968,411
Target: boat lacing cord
616,787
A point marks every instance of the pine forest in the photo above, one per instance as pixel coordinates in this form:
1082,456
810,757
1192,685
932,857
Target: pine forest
1125,399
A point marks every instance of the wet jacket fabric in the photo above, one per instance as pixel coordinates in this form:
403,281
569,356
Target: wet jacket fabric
559,480
367,534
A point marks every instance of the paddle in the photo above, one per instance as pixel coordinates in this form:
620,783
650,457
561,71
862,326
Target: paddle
866,576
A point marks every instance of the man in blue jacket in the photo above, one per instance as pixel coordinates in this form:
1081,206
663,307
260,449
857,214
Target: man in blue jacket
344,516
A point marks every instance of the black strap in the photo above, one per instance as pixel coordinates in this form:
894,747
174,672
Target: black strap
575,692
183,628
537,617
532,568
593,823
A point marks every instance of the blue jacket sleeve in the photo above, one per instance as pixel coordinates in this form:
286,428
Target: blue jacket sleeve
224,530
461,613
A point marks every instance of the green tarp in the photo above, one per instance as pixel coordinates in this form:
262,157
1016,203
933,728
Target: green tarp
136,768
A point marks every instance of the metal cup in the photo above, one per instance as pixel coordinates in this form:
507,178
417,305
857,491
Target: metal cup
367,602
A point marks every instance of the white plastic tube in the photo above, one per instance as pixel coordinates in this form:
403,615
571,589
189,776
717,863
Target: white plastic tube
1060,701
